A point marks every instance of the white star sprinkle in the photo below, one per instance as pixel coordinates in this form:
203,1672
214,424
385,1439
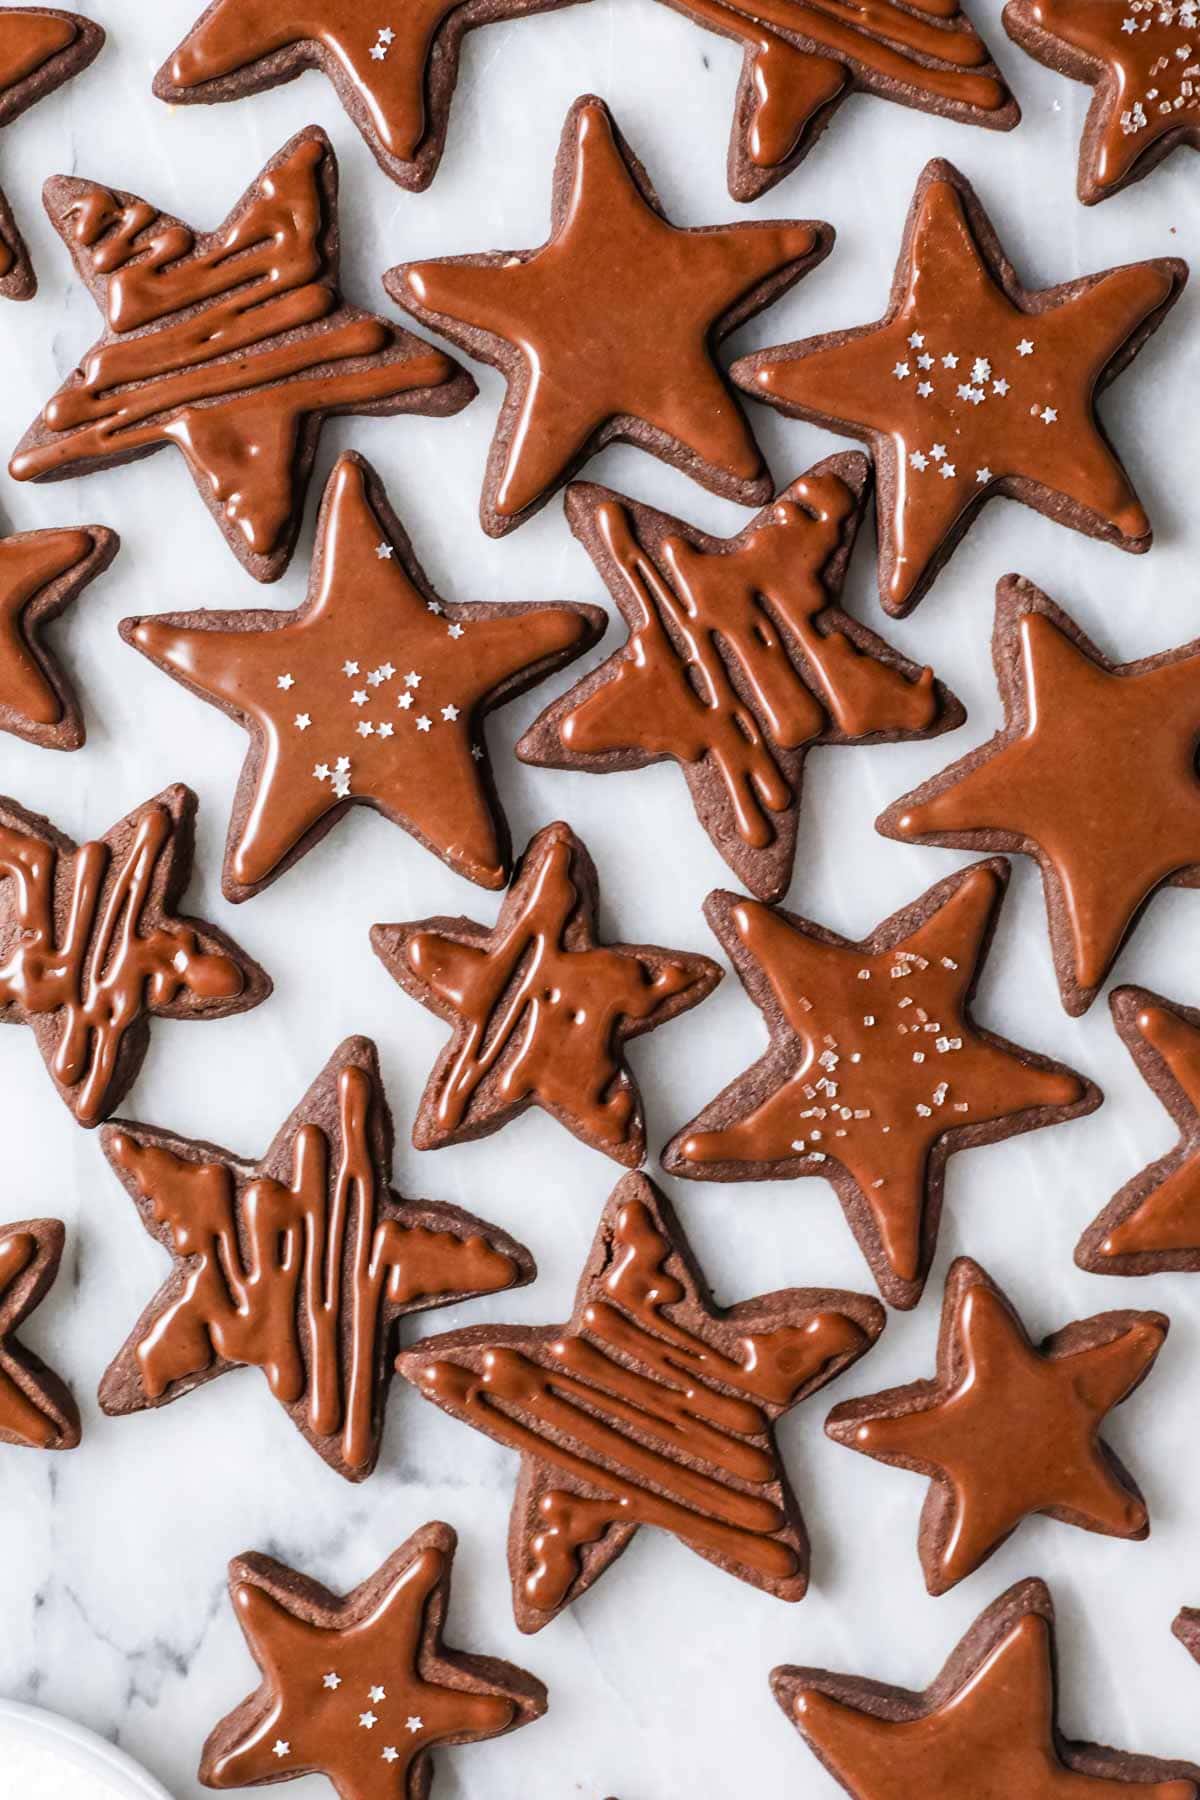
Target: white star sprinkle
404,702
938,451
947,471
333,1680
387,35
477,752
365,728
280,1747
341,786
384,551
924,388
455,631
387,670
918,460
1049,415
925,362
916,341
391,1754
285,682
983,475
413,1724
981,368
342,765
322,773
367,1720
901,371
349,668
359,697
385,730
378,52
412,679
302,721
1025,347
424,722
434,606
950,362
375,1695
450,713
1000,387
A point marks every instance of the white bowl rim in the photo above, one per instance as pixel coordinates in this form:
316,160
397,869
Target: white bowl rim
82,1748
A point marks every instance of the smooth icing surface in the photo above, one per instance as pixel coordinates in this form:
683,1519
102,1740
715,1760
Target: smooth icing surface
26,567
370,692
613,318
888,1060
1111,842
969,389
1168,1218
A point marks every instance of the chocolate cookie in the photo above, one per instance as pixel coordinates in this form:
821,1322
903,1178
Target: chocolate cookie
985,1727
37,1410
804,57
1143,61
972,386
396,79
92,946
738,662
607,332
1008,1428
1153,1224
877,1071
1058,782
41,572
40,48
335,723
541,1009
265,287
651,1406
299,1264
363,1689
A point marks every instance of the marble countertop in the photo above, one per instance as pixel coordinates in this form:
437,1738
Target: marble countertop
112,1567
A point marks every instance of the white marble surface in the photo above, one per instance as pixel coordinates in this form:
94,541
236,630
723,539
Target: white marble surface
112,1604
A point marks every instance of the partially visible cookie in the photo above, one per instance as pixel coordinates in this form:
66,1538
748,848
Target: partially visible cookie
608,332
984,1729
37,1409
1060,782
973,386
877,1071
541,1008
394,69
360,1689
93,946
40,48
1143,59
335,722
1008,1428
652,1405
299,1264
739,660
265,288
41,572
1153,1223
801,61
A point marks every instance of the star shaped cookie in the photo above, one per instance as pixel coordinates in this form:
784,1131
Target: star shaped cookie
363,1689
1143,61
1008,1429
37,1410
1153,1224
265,289
739,661
877,1070
1058,782
394,69
985,1728
372,693
95,948
41,572
41,47
253,1245
802,60
541,1009
650,1406
607,332
972,385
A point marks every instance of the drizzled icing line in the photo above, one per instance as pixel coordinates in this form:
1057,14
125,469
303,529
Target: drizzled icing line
37,1411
